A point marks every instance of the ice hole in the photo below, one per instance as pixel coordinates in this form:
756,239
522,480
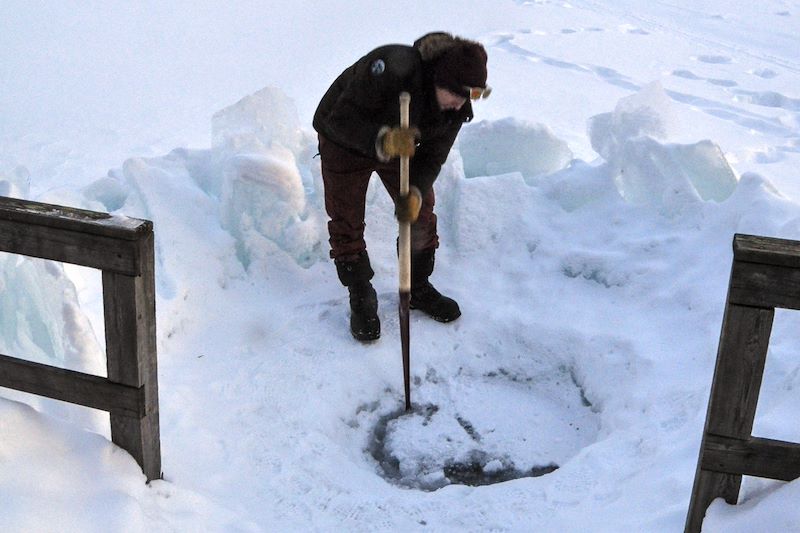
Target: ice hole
484,429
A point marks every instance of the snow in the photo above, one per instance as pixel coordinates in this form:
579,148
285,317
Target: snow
586,220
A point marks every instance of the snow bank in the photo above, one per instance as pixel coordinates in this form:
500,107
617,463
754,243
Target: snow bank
640,164
648,171
258,121
41,319
258,183
45,459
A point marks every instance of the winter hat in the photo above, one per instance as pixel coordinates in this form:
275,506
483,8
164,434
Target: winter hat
462,65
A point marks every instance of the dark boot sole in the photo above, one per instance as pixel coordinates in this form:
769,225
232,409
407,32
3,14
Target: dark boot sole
365,338
366,334
438,318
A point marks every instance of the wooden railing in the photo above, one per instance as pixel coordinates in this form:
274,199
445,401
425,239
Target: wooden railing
765,275
122,248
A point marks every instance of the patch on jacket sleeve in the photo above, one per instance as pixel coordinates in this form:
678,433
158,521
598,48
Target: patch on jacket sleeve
377,67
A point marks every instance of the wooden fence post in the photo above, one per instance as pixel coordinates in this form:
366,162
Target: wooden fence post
130,323
765,274
732,406
123,249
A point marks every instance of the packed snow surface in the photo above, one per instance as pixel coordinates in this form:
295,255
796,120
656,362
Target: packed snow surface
586,219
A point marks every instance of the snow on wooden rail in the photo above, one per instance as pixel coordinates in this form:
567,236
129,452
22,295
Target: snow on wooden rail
122,248
765,275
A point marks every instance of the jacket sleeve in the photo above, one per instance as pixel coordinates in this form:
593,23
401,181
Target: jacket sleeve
430,156
368,93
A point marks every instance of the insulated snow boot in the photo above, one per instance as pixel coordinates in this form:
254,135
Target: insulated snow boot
364,322
355,275
424,296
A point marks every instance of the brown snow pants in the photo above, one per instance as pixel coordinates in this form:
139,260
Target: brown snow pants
345,176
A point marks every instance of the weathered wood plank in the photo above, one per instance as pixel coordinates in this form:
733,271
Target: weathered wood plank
762,285
741,357
68,218
140,437
755,456
129,308
709,486
766,250
71,386
67,246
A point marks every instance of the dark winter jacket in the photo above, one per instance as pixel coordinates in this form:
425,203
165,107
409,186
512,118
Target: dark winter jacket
364,98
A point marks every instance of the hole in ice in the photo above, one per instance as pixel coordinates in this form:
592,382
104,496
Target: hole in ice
484,429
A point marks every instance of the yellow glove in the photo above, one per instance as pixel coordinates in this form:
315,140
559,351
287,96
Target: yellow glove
407,207
400,142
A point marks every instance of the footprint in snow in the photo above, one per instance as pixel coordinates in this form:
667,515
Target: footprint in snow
628,28
722,83
713,59
765,73
686,74
769,99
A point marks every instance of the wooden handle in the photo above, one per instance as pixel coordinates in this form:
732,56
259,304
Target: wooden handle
404,251
404,256
405,104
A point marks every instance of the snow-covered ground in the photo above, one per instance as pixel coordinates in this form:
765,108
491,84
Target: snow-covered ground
586,220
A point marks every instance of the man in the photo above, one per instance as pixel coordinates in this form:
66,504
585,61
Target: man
357,121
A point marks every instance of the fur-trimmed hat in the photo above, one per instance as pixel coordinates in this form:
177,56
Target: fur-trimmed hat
457,62
463,65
